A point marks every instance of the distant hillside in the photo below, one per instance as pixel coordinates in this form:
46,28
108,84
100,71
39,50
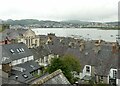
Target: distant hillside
35,21
55,24
113,23
22,22
77,22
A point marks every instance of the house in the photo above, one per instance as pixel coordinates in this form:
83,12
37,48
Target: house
43,55
10,35
17,62
112,76
97,57
29,38
55,78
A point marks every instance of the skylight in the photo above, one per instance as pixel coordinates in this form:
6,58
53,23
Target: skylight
22,49
18,50
12,51
25,76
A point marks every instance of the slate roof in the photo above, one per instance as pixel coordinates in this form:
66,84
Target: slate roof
102,61
11,34
40,52
56,77
6,51
28,70
29,66
9,81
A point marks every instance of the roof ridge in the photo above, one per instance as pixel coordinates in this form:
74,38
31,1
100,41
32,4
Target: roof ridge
48,77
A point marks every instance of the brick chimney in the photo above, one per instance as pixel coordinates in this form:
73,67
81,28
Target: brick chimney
97,47
82,46
6,42
114,48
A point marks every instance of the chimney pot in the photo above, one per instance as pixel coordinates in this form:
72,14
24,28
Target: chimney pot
114,48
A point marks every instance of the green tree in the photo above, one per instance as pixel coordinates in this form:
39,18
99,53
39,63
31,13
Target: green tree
67,64
72,62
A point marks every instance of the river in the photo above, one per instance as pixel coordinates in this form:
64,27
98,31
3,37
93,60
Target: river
85,33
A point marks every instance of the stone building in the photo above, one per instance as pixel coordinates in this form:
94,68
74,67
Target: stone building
29,38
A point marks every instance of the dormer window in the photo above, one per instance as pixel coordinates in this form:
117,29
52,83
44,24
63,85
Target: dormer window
87,69
12,51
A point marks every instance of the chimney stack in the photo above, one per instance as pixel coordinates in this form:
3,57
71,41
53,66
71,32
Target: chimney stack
97,46
82,46
114,48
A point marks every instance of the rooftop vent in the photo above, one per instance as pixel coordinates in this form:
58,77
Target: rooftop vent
16,77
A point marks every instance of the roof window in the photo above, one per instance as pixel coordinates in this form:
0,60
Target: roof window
25,76
22,49
18,50
12,51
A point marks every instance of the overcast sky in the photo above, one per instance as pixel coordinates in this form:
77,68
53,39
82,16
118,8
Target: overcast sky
90,10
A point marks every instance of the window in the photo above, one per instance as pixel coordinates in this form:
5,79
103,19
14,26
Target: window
101,78
18,50
25,76
114,74
12,51
87,69
22,49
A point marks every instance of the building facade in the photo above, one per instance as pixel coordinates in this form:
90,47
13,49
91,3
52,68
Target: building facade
30,39
17,62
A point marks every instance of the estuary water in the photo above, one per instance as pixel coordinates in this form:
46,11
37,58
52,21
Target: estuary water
84,33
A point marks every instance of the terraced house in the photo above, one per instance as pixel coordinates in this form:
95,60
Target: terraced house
17,62
98,59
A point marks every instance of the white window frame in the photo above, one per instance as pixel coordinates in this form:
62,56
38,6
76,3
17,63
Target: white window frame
86,69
